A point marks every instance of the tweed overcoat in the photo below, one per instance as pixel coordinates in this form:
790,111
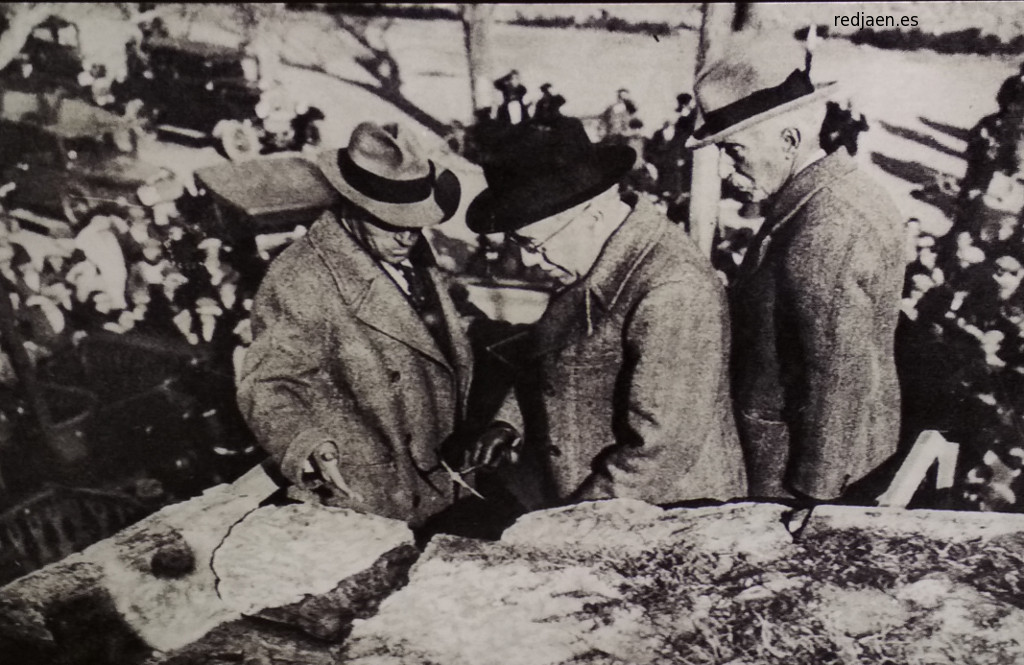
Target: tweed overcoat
814,311
626,392
340,355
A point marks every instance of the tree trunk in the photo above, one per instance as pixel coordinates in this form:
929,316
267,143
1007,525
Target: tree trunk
477,20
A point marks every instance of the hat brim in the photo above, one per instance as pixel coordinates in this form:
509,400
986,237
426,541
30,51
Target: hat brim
505,210
821,92
433,210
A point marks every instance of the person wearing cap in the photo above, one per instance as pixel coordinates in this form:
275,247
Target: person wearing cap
686,114
623,382
513,110
549,107
667,151
359,369
615,121
816,300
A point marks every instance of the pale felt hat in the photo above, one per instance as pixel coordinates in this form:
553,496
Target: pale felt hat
753,81
385,172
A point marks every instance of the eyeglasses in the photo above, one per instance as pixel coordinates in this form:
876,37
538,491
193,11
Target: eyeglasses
534,246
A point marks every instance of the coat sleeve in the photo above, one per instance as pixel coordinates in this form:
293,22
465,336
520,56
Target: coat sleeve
675,347
826,282
284,389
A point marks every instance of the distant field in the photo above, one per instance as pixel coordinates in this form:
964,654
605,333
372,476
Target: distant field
918,103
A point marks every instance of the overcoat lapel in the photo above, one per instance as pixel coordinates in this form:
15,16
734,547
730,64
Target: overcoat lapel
580,308
377,300
386,309
788,202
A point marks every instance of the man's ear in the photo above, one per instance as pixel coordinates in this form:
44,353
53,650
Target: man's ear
791,139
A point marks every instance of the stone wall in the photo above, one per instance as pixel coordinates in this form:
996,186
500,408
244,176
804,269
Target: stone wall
224,579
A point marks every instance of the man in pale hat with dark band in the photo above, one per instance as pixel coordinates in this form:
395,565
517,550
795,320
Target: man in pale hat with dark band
816,300
624,383
359,368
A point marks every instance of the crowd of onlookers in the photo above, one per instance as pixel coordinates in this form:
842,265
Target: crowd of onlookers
962,339
663,162
126,291
122,273
960,346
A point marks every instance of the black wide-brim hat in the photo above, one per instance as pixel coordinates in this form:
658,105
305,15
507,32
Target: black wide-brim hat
535,171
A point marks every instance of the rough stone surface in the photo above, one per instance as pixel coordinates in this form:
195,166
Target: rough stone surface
620,582
114,582
313,548
615,582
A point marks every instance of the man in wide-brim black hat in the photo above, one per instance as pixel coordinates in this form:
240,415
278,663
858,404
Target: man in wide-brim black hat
817,298
359,367
625,387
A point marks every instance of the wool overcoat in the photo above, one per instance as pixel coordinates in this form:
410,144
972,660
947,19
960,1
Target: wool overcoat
626,390
340,355
814,312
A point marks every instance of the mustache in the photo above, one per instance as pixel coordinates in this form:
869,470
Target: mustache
741,182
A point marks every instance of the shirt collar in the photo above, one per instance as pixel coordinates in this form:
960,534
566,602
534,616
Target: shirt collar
813,157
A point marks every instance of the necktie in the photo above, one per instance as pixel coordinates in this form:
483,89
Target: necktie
424,301
417,289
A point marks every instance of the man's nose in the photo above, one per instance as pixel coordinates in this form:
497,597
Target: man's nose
407,238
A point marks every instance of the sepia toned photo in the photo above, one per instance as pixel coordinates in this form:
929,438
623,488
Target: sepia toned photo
512,334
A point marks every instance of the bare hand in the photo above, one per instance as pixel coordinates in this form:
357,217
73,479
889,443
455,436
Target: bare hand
500,444
325,461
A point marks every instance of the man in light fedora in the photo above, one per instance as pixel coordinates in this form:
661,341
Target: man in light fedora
624,388
359,368
815,303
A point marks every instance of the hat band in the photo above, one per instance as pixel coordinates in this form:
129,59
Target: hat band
385,190
795,86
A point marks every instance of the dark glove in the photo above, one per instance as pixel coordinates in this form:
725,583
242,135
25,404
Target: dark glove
498,445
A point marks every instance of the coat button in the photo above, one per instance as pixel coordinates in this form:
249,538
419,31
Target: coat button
416,500
394,376
549,388
554,451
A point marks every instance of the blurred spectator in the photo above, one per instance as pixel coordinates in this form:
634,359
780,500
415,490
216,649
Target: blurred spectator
98,242
667,151
996,143
512,110
1011,94
616,119
686,114
549,106
840,129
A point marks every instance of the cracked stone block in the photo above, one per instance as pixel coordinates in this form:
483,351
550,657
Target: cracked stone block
754,530
265,557
591,526
313,548
247,642
329,617
751,531
605,583
726,584
948,525
492,603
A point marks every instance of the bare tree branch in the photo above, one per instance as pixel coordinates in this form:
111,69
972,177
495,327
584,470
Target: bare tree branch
377,60
394,97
